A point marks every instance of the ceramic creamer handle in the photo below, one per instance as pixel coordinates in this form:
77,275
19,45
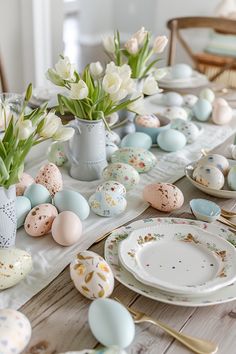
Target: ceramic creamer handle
68,149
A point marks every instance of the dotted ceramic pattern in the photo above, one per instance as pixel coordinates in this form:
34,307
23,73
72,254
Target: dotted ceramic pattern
7,217
123,276
123,173
142,160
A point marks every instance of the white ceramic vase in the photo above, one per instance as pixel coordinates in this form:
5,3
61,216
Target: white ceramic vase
8,220
86,151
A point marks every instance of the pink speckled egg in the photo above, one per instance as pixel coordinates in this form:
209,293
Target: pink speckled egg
25,181
163,196
39,220
149,121
50,177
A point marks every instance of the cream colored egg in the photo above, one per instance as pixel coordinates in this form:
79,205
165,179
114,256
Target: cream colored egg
163,196
222,114
215,160
220,101
66,228
209,176
15,264
50,177
91,275
39,220
25,181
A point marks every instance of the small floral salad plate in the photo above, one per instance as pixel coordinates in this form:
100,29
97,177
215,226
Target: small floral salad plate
180,259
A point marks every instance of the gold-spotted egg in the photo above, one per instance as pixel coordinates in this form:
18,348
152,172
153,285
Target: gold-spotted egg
222,114
175,112
202,109
173,99
189,129
15,265
15,331
165,197
37,194
215,160
107,204
137,139
209,176
56,154
112,186
25,181
231,178
23,206
142,160
171,140
39,220
69,200
110,149
190,100
91,275
123,173
207,94
50,176
66,228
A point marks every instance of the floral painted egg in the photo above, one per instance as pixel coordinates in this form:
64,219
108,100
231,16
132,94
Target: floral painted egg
137,139
112,137
56,154
148,121
173,99
15,264
68,200
165,197
112,186
25,181
66,228
39,220
142,160
209,176
37,194
50,176
175,112
207,94
189,129
190,100
91,275
202,109
215,160
123,173
222,114
107,203
15,331
110,149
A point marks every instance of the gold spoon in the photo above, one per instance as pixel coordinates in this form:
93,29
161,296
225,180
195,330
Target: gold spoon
227,213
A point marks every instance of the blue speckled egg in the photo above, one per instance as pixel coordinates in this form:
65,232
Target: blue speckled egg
23,206
181,71
137,140
123,173
173,99
171,140
110,149
202,109
190,100
142,160
175,112
112,186
189,129
108,204
37,194
113,137
215,160
68,200
231,179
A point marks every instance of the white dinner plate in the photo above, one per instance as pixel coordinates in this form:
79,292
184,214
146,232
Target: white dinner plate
220,296
196,80
181,259
219,193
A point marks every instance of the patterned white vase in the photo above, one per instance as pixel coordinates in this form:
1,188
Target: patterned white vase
7,216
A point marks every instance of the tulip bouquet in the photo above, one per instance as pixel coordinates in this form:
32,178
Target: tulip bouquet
22,133
137,52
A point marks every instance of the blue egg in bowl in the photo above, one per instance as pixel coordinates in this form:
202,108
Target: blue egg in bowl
151,131
205,210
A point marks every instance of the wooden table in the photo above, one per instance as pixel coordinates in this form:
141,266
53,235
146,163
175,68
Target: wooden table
58,313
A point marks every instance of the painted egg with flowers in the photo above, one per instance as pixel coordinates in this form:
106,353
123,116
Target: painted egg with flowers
123,173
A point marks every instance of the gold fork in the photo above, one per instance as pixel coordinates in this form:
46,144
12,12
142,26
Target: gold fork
195,344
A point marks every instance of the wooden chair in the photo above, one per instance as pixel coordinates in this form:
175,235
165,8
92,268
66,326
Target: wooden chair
3,81
206,63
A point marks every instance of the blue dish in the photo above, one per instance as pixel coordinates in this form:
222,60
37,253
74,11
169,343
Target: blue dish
205,210
154,132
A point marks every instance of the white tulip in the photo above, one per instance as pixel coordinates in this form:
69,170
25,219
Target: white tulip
65,69
132,46
138,105
108,43
111,83
140,35
119,95
159,44
159,73
124,71
79,90
5,116
63,134
51,124
96,69
25,129
150,86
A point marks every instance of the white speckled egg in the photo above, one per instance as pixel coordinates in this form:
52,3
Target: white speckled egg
189,129
181,71
113,137
137,139
173,99
209,176
215,160
66,228
207,94
171,140
190,100
15,265
202,109
222,114
163,196
91,275
107,203
50,176
68,200
112,186
123,173
39,220
142,160
175,112
110,149
23,206
148,121
231,178
37,194
15,331
56,154
25,181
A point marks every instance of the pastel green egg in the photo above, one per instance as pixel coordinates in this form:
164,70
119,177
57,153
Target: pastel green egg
202,109
171,140
231,179
68,200
23,206
37,194
137,139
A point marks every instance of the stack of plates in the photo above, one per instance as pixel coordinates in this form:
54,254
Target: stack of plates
178,261
196,80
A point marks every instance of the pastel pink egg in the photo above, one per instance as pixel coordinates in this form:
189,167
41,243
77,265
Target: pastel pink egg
149,121
50,177
222,114
66,228
25,181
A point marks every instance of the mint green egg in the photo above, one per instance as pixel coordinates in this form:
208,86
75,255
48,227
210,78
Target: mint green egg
68,200
37,194
137,139
202,109
231,179
171,140
23,207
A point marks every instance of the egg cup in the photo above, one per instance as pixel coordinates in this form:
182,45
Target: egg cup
154,132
